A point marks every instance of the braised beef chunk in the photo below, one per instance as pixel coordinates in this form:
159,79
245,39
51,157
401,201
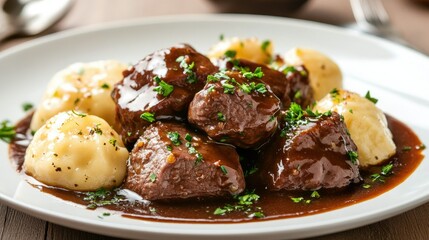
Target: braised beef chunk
309,153
236,108
161,86
169,161
289,83
300,89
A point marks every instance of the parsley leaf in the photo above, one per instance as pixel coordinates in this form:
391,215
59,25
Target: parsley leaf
230,54
152,177
368,96
27,106
174,138
220,117
164,88
353,156
147,116
187,69
222,167
265,44
7,131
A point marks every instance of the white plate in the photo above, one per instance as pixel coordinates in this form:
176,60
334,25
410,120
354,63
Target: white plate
395,75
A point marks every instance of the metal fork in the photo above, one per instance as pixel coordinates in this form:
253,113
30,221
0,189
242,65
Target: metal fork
371,17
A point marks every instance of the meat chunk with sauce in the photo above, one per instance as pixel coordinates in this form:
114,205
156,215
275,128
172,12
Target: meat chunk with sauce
236,109
160,86
309,153
170,162
288,83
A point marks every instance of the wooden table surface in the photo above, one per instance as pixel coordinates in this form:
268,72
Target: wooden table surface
410,19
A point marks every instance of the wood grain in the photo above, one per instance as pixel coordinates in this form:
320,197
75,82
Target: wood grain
19,225
408,18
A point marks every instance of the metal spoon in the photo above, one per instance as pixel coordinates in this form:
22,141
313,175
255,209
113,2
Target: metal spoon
30,17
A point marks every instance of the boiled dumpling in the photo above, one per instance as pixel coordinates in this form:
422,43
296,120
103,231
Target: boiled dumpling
366,123
324,73
77,152
84,87
251,49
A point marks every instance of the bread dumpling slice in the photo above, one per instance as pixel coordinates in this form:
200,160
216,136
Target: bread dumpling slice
78,152
84,87
366,123
324,73
251,49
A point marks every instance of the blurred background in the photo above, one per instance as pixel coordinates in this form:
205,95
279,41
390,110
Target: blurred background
408,18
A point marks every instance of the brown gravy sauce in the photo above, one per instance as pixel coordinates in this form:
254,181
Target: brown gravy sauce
274,205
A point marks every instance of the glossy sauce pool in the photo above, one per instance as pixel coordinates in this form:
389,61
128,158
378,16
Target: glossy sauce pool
274,205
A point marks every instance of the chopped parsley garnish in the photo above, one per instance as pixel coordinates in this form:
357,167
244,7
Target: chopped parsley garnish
317,114
296,199
249,75
265,44
297,95
102,197
221,37
105,86
106,214
191,148
220,117
386,170
187,69
223,139
289,69
248,88
169,148
421,147
353,156
210,89
295,114
163,88
199,158
217,77
27,106
174,138
148,117
222,167
188,137
113,142
315,194
228,88
79,114
406,148
272,118
96,129
230,54
334,93
368,96
251,171
366,186
7,131
152,177
244,204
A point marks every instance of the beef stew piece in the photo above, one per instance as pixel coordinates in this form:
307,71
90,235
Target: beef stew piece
170,162
161,86
315,153
234,109
289,83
